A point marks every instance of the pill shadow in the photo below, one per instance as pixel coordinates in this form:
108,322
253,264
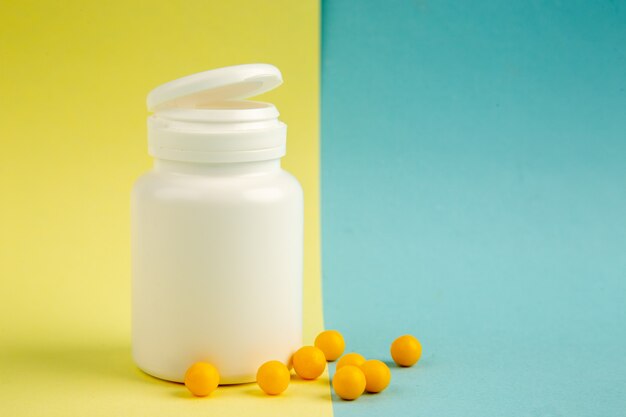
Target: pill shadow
391,364
256,392
222,392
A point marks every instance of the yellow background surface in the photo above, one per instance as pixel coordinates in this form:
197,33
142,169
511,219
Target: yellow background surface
73,81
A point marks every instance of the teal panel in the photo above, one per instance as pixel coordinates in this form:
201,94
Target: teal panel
474,194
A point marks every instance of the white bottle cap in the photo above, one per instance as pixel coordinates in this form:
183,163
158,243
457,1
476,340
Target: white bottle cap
204,117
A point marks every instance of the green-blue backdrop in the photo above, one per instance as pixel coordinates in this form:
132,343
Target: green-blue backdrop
474,194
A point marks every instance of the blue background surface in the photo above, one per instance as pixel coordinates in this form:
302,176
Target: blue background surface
474,194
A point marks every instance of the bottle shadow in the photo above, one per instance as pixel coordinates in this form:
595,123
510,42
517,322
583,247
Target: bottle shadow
75,361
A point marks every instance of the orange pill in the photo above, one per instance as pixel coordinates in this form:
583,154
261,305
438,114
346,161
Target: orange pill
309,362
273,377
331,343
352,358
349,382
202,379
377,375
406,350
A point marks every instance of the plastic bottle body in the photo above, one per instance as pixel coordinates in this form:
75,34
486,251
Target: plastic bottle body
217,267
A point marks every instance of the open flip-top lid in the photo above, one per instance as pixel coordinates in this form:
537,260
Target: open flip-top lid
204,89
206,118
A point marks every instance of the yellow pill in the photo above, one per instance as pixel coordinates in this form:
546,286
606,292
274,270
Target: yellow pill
273,377
309,362
331,343
202,379
350,359
406,350
377,375
349,382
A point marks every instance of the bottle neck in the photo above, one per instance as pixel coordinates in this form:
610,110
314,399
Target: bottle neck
217,169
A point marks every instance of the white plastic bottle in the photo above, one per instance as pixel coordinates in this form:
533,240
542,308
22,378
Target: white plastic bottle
217,230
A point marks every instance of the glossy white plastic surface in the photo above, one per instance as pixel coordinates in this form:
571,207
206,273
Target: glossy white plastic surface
217,267
200,90
217,230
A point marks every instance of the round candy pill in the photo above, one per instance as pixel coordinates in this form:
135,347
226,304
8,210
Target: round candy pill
377,375
406,350
202,379
349,382
331,343
309,362
350,359
273,377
